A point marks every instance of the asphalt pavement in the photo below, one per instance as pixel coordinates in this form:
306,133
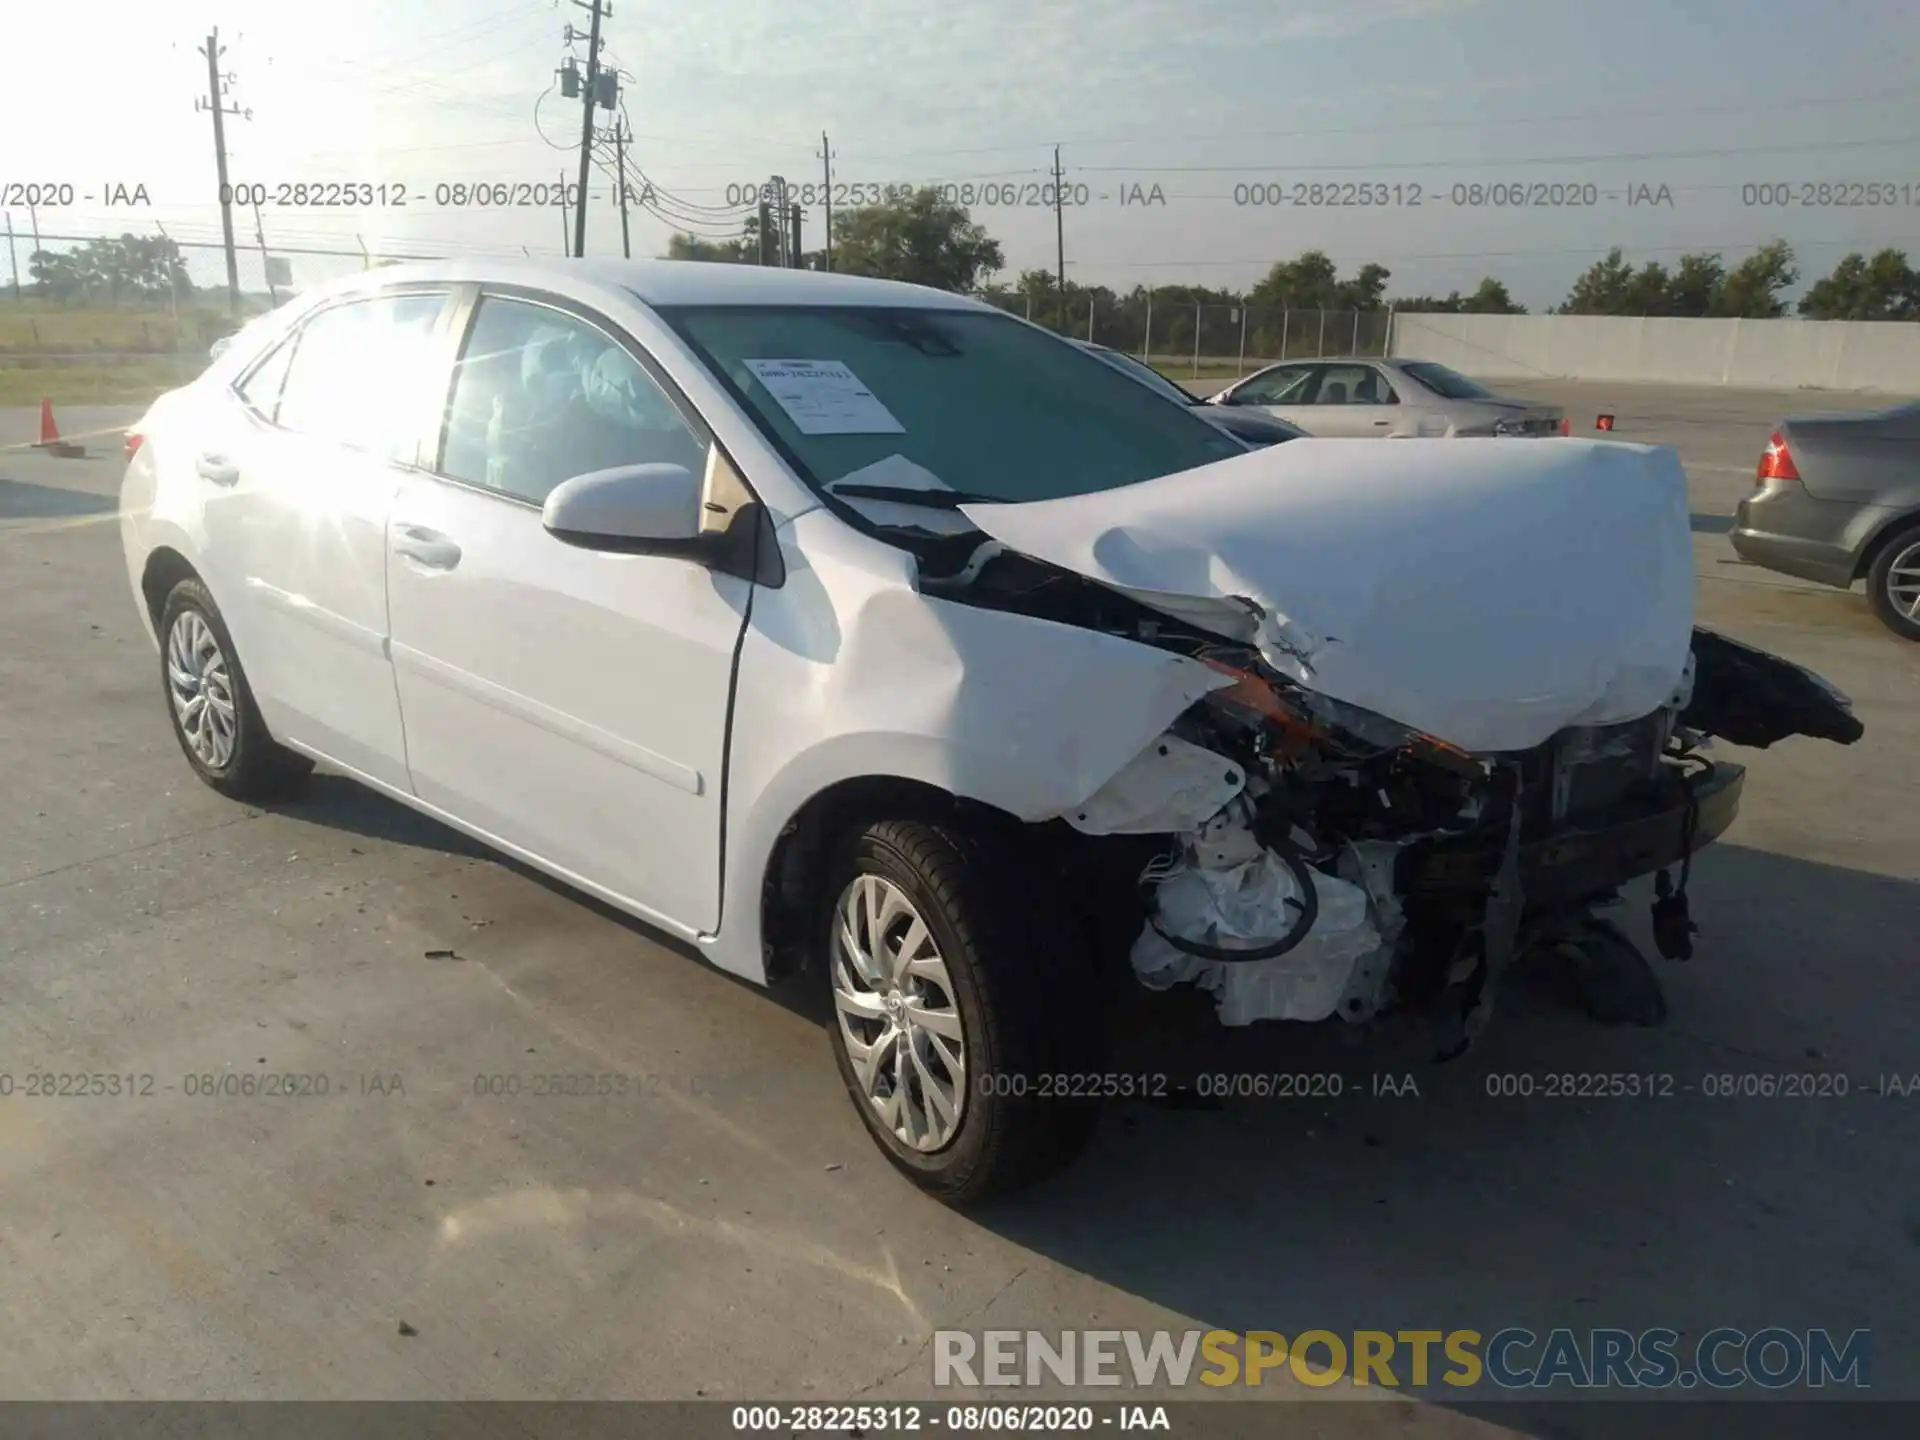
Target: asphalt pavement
724,1228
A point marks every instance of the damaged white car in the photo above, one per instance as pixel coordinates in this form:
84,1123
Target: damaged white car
859,630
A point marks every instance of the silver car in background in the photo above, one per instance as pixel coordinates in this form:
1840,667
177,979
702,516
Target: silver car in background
1361,398
1253,427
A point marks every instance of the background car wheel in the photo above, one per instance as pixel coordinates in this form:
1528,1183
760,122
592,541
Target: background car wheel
962,1011
214,716
1893,584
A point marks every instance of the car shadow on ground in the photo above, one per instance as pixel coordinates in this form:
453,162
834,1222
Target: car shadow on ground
1361,1205
1711,524
343,804
22,500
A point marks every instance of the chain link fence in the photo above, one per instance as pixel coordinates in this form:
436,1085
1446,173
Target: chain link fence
107,318
1197,340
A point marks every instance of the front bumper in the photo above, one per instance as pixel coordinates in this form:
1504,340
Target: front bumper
1571,866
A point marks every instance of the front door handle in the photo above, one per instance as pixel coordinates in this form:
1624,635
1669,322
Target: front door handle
218,469
1382,424
429,547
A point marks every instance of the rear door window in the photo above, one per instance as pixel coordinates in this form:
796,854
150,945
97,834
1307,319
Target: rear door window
358,371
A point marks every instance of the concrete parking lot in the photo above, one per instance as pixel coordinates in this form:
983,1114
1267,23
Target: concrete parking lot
725,1228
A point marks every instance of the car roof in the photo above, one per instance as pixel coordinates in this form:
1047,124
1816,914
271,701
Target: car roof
674,282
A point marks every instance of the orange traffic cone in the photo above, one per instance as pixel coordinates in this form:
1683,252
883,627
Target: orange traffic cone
50,440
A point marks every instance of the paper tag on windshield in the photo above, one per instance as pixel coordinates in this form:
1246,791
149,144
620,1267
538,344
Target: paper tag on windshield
824,397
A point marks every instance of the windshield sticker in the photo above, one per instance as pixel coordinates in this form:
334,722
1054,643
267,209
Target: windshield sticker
824,397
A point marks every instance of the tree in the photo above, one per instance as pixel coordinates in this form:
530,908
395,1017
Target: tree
1365,290
1696,282
1309,282
1883,288
1609,287
1491,299
726,252
1751,289
131,267
922,239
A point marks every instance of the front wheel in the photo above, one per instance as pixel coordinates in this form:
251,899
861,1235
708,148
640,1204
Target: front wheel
1893,584
962,1015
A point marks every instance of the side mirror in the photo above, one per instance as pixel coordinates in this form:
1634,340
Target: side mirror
1221,397
631,509
219,347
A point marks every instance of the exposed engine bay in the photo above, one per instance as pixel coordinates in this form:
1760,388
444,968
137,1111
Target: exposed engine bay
1303,858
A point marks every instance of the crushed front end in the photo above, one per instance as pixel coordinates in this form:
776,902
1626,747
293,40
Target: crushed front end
1358,867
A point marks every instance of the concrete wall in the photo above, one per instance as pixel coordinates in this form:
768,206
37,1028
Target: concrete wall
1747,354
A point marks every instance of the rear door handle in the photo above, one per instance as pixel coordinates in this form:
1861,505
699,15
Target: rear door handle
428,547
1381,424
218,470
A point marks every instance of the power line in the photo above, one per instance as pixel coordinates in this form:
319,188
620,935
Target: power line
1485,164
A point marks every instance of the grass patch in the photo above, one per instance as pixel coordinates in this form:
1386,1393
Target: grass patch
106,382
34,327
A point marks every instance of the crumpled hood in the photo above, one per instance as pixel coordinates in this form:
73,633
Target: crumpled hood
1487,592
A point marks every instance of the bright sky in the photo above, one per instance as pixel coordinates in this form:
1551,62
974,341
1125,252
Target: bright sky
1704,97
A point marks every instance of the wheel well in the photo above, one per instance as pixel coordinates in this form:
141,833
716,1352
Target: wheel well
1870,552
800,856
166,568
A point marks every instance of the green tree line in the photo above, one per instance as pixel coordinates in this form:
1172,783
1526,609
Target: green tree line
929,242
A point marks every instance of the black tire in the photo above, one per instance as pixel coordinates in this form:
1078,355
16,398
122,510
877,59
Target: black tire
1616,982
1880,582
1023,986
258,767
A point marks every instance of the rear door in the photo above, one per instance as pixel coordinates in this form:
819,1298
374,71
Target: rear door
1351,400
299,486
572,704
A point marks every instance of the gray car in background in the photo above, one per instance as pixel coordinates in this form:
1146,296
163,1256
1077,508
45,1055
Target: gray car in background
1401,399
1255,427
1838,500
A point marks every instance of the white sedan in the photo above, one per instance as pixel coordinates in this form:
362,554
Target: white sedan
858,627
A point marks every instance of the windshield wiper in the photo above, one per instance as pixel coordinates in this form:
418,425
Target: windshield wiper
932,499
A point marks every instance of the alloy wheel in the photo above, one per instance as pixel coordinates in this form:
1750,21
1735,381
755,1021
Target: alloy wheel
1903,583
200,684
898,1017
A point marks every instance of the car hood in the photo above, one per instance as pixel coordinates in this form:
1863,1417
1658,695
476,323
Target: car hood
1485,593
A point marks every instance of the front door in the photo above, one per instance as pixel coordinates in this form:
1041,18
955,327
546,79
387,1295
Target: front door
570,703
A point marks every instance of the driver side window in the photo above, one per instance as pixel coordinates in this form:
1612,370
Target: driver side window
540,396
1286,385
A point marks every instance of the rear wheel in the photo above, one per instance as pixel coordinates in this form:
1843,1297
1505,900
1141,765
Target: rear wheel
214,715
1893,584
962,1013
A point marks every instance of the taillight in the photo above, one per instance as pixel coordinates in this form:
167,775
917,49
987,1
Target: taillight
1566,425
1776,461
134,438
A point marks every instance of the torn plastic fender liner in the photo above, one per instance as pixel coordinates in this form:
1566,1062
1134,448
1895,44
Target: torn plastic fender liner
1487,592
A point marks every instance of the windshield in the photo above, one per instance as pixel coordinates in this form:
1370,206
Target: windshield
1450,384
980,401
1145,374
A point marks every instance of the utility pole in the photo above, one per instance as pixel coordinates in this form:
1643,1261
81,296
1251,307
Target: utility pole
826,176
590,96
794,217
1059,240
620,138
14,258
766,228
216,90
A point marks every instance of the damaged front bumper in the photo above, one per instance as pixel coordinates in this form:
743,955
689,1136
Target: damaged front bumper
1573,866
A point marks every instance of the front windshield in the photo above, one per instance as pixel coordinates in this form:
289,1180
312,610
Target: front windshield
1146,374
1450,384
982,402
